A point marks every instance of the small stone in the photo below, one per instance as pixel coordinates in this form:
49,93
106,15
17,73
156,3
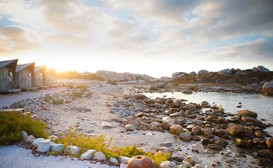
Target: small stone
72,150
196,130
175,114
113,160
56,147
122,165
185,136
269,143
166,125
24,135
123,159
176,129
88,154
44,145
207,132
205,142
30,139
35,143
167,164
265,153
99,156
214,147
140,161
192,160
221,133
107,125
243,143
264,162
130,127
178,158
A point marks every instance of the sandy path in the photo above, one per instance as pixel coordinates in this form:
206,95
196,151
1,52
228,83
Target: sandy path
18,157
8,99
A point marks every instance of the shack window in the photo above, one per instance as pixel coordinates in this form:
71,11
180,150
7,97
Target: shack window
10,73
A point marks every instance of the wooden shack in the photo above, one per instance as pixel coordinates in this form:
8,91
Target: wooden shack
50,75
24,77
39,76
7,72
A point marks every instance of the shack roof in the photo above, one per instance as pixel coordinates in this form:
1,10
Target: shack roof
6,63
23,66
40,68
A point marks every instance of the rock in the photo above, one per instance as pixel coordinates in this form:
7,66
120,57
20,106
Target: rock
187,91
246,113
198,166
192,160
265,162
99,156
36,141
166,125
88,154
44,145
123,159
164,150
185,136
176,129
263,69
130,127
221,142
265,153
107,125
243,143
259,134
132,120
207,132
251,120
252,87
122,165
269,143
178,158
267,88
113,160
140,161
190,107
221,133
236,130
72,150
214,147
30,139
177,114
196,130
24,135
206,142
167,164
176,104
56,147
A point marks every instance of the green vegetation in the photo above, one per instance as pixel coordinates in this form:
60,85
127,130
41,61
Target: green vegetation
98,143
13,123
57,101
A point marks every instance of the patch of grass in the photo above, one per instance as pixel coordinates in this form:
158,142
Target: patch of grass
83,88
13,123
77,94
57,101
98,143
18,106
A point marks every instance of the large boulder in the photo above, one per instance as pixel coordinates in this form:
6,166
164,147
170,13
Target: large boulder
267,88
246,113
236,130
265,153
36,141
56,147
184,136
262,69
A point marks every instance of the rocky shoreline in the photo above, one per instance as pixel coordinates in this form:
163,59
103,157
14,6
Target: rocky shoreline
213,138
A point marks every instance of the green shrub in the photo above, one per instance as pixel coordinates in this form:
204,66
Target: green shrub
112,82
13,123
57,101
77,94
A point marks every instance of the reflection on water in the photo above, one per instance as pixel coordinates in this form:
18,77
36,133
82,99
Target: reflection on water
229,101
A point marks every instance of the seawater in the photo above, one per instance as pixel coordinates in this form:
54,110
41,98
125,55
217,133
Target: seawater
258,103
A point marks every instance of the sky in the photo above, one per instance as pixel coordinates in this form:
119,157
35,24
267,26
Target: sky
153,37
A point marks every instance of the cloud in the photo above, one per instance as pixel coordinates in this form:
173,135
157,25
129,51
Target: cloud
14,40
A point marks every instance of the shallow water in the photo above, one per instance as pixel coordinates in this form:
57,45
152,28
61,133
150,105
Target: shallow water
229,101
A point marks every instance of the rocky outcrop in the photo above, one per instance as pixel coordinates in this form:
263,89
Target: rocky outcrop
115,76
267,88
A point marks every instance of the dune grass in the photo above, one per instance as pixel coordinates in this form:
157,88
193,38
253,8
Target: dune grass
13,123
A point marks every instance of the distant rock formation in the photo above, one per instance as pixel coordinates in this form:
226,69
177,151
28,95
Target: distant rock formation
115,76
